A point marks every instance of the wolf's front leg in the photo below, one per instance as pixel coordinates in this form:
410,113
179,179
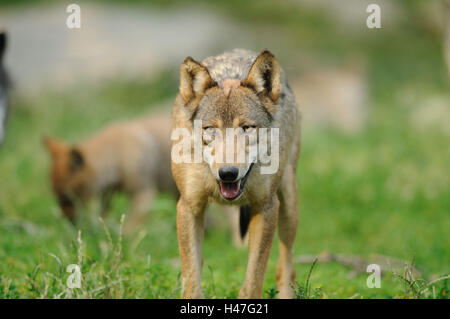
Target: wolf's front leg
262,227
190,230
287,228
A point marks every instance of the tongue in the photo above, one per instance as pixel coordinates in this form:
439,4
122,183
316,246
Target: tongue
230,190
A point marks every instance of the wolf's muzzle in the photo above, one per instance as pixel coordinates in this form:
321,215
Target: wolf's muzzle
232,190
228,173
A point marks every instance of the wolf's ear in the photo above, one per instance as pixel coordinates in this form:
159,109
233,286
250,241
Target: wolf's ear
194,79
76,160
264,76
3,40
54,146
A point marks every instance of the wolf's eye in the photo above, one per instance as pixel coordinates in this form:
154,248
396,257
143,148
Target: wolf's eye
210,130
248,128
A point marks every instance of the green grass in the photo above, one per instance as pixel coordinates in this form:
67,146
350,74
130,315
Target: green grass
383,191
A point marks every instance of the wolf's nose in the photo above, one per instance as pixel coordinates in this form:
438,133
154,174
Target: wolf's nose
228,173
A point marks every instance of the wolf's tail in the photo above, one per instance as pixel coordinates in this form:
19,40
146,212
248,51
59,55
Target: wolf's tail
244,219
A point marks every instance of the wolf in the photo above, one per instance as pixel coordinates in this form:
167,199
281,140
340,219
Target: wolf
4,86
131,156
247,92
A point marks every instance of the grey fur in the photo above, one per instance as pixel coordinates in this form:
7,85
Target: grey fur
236,64
4,86
230,65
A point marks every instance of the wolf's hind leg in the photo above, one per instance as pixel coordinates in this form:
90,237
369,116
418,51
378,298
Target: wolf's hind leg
233,214
140,205
287,229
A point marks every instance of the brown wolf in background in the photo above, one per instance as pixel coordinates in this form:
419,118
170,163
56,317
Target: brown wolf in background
242,90
133,157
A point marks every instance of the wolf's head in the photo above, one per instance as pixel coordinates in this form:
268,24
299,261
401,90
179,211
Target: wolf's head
3,87
240,107
68,174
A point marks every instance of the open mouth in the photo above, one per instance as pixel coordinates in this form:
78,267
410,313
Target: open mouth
232,190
